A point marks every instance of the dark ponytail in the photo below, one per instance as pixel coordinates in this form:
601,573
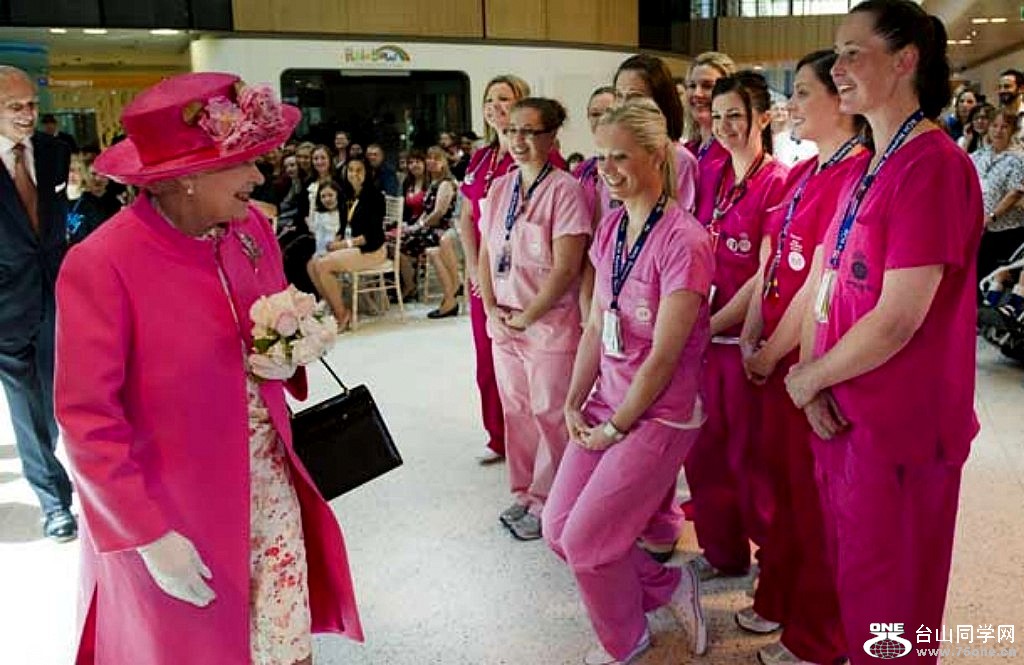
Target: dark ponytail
821,63
901,23
752,88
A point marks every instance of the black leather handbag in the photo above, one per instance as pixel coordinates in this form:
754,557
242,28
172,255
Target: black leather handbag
344,441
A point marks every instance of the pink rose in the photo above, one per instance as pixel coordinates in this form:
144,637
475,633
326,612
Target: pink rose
287,324
304,303
259,105
263,317
220,118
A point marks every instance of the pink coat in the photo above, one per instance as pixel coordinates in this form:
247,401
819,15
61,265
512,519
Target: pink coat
151,395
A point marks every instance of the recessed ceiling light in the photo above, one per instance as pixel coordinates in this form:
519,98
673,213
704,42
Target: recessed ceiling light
979,20
58,31
999,20
165,31
964,42
95,31
950,42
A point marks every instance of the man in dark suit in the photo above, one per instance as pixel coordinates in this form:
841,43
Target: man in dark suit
33,210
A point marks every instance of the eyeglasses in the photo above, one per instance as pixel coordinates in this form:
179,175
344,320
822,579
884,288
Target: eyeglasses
525,132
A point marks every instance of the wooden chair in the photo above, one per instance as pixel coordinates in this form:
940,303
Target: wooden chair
374,279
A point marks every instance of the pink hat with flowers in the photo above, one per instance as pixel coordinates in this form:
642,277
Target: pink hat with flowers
196,122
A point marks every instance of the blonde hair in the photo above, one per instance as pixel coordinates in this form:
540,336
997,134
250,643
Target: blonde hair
724,65
439,154
520,89
642,118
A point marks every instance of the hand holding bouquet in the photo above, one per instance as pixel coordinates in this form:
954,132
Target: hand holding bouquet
289,329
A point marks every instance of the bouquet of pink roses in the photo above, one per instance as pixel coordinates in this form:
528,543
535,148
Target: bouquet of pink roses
289,329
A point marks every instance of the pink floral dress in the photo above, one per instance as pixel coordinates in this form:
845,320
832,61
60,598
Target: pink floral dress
279,592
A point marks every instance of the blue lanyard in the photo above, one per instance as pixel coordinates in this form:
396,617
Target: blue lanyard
589,171
514,211
702,150
620,268
771,283
853,205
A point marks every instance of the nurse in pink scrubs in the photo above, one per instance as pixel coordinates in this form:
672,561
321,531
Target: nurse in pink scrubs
488,163
712,158
586,173
535,229
796,587
729,484
633,408
888,377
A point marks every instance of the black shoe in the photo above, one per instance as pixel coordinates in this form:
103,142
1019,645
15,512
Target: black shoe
460,292
438,314
60,526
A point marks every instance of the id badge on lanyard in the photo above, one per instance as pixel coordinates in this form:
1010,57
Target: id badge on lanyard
611,335
823,300
503,264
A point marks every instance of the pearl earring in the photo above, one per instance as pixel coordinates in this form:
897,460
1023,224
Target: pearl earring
190,190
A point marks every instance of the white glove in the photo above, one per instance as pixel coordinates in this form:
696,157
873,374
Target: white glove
177,569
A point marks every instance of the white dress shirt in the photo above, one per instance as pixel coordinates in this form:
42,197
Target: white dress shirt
7,154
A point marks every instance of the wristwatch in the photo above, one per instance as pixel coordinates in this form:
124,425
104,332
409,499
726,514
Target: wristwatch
612,432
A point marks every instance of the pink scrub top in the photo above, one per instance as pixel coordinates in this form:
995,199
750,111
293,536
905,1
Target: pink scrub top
557,208
483,170
737,256
677,257
924,208
711,166
811,220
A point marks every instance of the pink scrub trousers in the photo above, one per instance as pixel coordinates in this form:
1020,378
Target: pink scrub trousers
890,533
730,488
600,503
486,381
796,582
533,387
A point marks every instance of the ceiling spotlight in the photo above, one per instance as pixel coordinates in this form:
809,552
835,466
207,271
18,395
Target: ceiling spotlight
964,42
979,20
95,31
165,32
999,20
58,31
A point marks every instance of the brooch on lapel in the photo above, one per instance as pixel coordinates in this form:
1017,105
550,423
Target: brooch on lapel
251,248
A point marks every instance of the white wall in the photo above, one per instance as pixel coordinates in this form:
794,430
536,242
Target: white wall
987,75
568,75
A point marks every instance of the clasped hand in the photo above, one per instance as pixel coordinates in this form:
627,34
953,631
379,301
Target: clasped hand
176,567
583,434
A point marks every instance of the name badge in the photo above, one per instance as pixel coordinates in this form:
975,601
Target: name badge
611,335
503,266
823,301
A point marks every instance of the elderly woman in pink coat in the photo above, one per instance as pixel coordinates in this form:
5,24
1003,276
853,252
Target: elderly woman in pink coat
204,541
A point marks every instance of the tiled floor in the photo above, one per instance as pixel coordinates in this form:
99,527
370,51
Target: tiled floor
439,581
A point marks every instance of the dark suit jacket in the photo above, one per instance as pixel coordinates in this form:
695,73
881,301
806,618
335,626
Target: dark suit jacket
29,263
367,220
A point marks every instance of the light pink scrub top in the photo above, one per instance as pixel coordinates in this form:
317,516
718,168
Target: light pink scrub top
557,208
924,208
677,257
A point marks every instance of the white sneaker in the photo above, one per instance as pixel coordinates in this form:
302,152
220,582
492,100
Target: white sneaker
598,656
778,654
488,456
751,621
685,605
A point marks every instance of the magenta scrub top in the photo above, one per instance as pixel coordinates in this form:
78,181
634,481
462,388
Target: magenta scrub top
924,208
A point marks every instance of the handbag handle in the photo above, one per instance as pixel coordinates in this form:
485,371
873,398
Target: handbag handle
344,388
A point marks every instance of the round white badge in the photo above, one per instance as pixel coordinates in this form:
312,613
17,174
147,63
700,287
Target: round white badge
643,314
732,244
470,177
797,261
745,245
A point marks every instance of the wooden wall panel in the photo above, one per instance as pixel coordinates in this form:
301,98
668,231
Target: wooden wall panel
619,22
324,16
776,39
516,19
428,18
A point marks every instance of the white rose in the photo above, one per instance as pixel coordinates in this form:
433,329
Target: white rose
267,367
287,324
304,303
262,315
281,302
306,350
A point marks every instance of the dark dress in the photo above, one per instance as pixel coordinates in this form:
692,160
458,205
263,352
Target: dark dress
416,243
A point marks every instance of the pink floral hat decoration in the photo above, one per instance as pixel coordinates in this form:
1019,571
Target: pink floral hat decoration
196,122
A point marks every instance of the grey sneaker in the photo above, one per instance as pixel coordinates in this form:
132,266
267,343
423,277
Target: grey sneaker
778,654
513,513
705,571
526,527
686,607
752,622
